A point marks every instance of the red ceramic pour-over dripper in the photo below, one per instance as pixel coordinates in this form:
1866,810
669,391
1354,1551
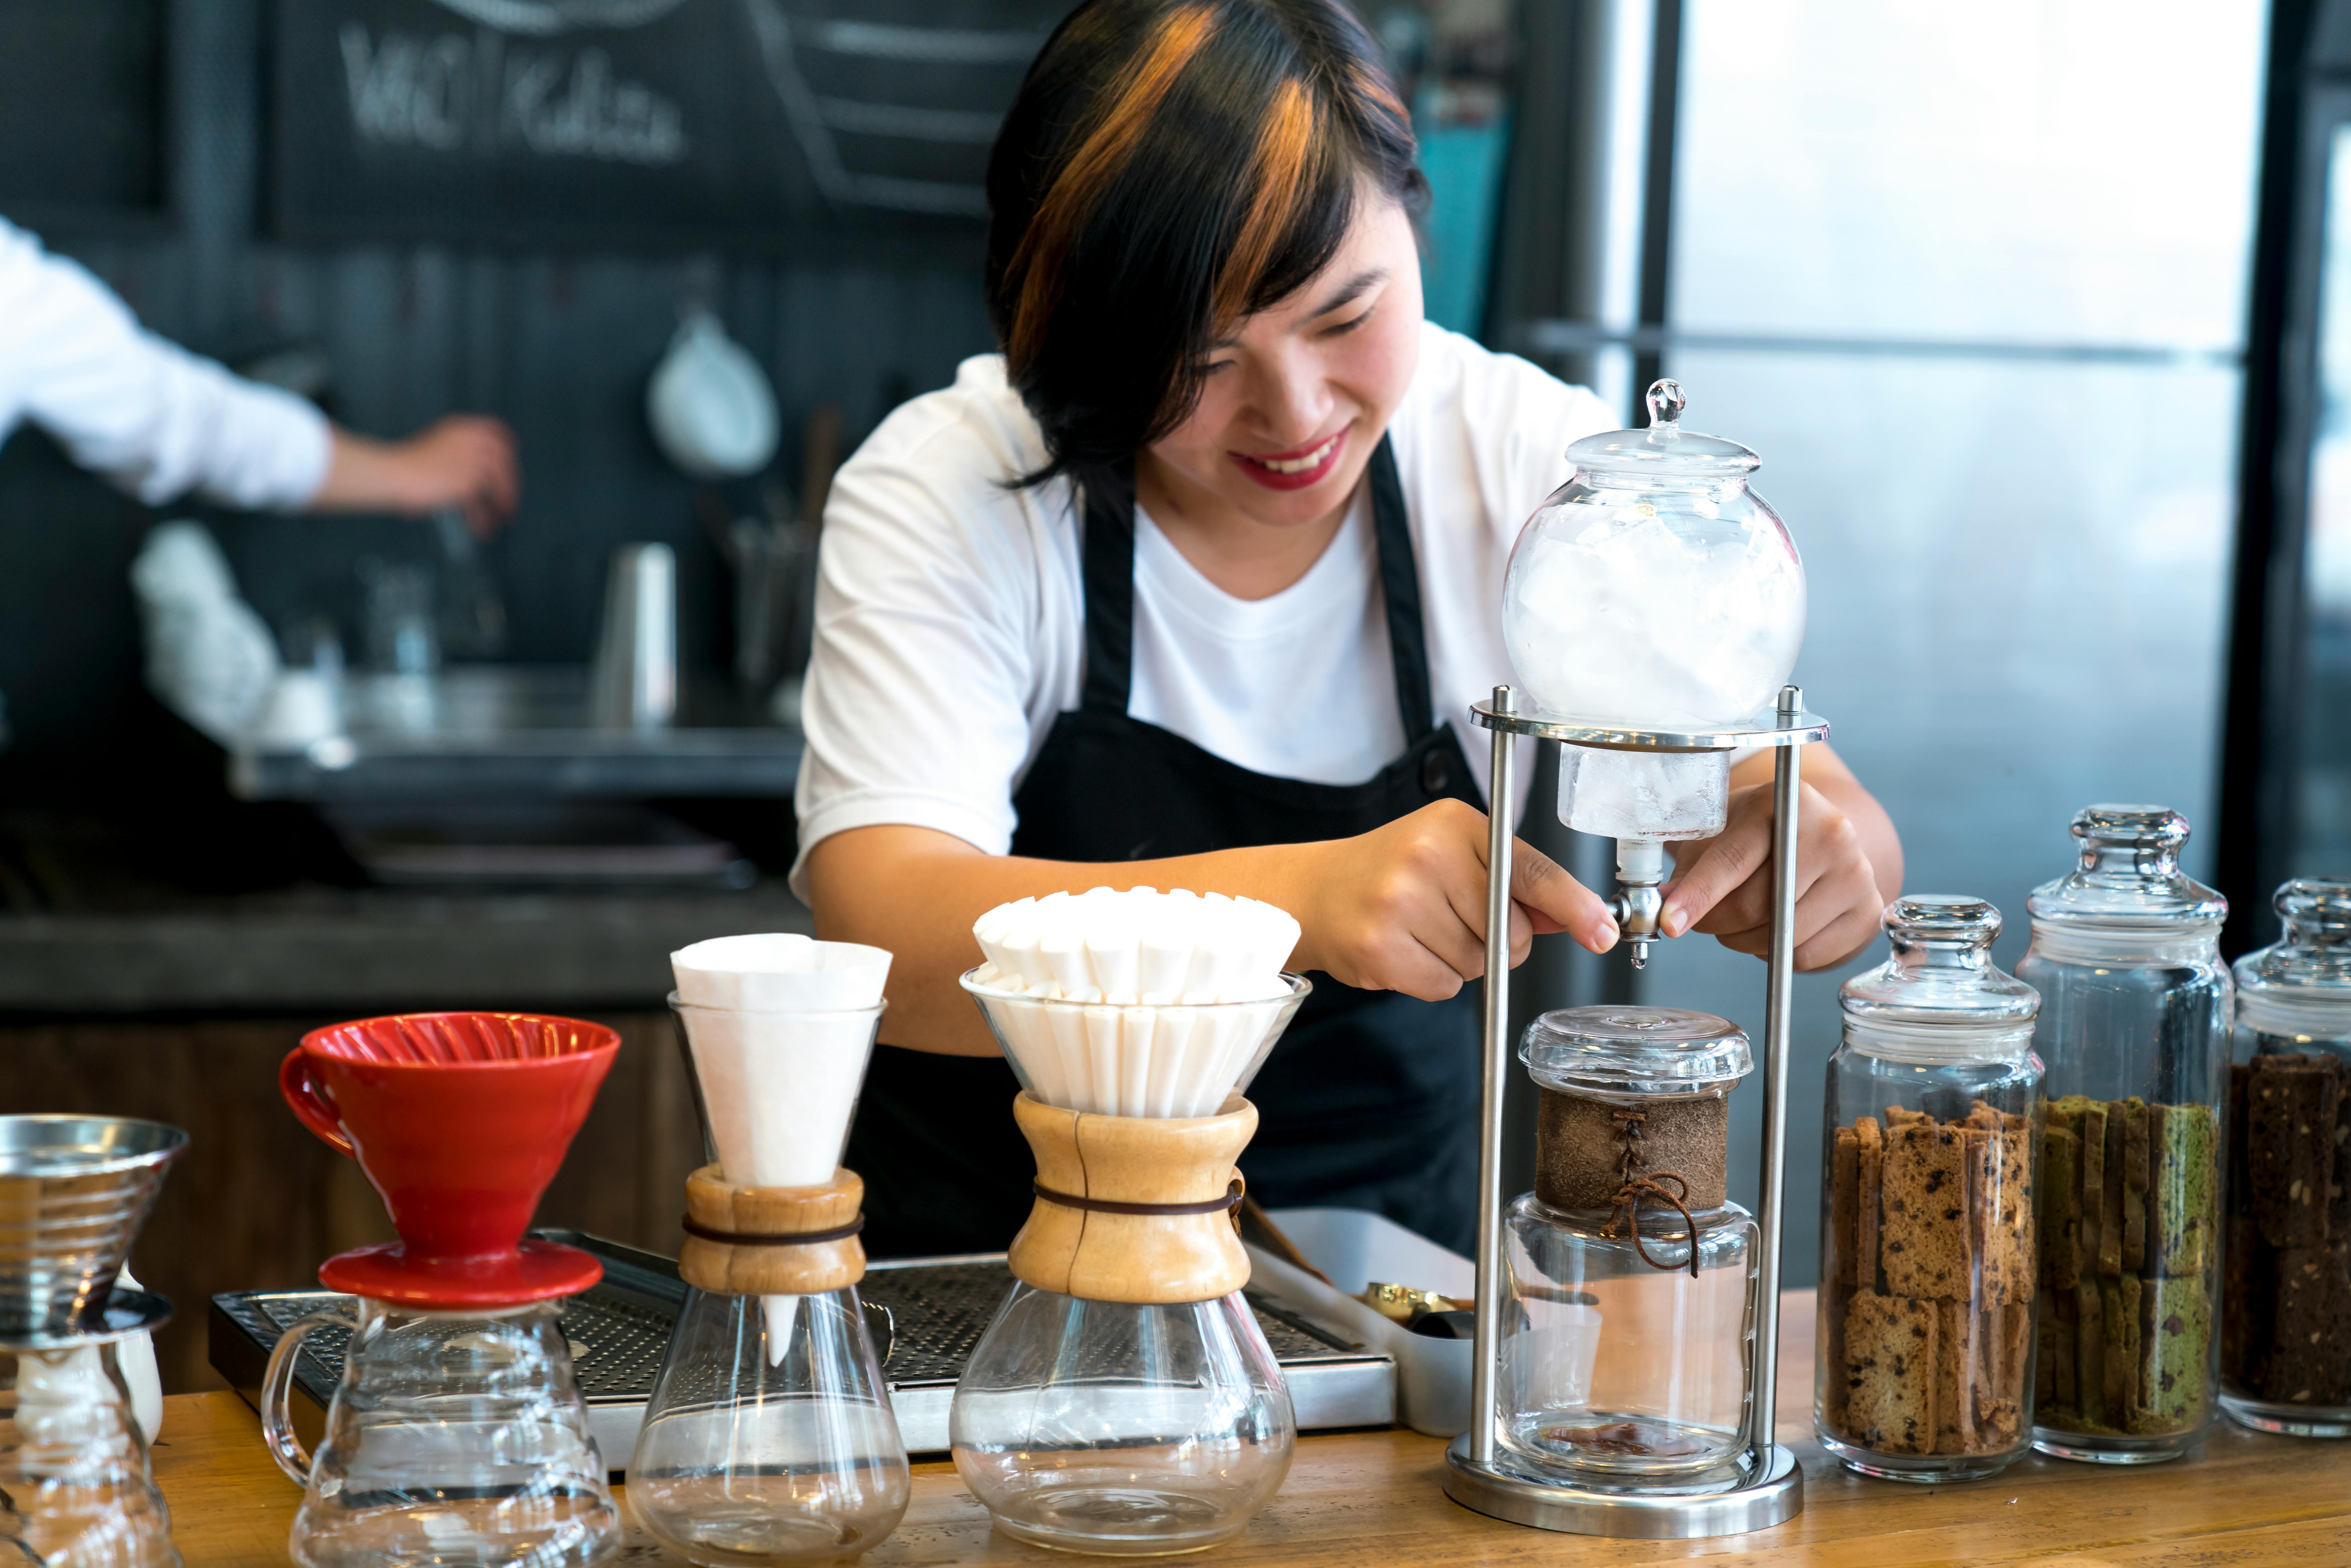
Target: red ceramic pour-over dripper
459,1121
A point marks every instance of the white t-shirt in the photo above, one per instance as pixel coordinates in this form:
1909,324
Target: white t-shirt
949,613
149,416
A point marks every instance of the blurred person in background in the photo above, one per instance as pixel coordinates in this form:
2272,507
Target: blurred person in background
160,421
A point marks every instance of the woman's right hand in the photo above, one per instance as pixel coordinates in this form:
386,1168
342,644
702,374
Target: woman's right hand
1403,907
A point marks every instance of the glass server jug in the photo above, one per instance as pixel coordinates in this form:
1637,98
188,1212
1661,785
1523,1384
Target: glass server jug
1923,1367
1630,1317
2134,1031
2285,1333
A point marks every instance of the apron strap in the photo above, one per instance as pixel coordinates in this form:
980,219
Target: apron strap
1107,573
1400,585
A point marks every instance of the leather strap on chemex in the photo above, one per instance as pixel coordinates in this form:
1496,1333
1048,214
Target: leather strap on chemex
795,1238
1232,1199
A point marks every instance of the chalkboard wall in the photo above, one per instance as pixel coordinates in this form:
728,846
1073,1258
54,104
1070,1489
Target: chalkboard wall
81,111
557,342
790,125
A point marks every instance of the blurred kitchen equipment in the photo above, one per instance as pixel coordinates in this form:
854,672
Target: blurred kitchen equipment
73,1191
457,1434
712,410
772,555
635,681
210,659
474,843
404,642
473,620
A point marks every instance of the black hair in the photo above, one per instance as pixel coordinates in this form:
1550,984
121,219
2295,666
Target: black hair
1170,167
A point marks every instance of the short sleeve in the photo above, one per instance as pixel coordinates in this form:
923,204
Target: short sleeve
933,667
145,413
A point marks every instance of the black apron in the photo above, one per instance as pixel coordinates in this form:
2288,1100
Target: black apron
1369,1100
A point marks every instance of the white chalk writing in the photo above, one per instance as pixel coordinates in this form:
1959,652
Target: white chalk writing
450,93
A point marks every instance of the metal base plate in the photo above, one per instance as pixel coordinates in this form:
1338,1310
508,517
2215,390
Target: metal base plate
1774,1497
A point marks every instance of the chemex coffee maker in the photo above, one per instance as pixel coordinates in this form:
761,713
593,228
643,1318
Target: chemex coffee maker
1628,1312
457,1435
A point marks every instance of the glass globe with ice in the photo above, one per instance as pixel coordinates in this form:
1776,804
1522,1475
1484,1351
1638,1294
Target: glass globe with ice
1655,591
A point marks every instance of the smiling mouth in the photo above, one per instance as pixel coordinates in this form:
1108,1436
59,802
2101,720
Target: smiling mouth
1305,463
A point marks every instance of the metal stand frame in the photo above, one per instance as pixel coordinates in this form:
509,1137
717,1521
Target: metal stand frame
1774,1489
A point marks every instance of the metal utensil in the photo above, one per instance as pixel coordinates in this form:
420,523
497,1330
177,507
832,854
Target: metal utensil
636,652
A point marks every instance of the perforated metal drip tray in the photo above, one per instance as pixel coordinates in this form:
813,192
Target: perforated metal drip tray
936,1309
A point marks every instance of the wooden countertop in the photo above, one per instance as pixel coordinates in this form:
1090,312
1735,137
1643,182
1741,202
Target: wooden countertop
1363,1498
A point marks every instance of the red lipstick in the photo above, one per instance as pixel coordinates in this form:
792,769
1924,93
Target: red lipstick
1323,456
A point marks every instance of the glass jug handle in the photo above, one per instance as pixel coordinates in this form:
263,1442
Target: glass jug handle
277,1391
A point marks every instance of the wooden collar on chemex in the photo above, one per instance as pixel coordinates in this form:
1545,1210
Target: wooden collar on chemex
1134,1208
772,1240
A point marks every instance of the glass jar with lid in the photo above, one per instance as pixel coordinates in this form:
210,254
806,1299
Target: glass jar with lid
1628,1332
1924,1370
2285,1334
2134,1030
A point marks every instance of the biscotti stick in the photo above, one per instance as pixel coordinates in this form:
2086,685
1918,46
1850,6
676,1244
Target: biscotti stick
1844,1199
2000,1212
1926,1249
1869,1167
1954,1339
2134,1185
2110,1209
2090,1352
2062,1306
2310,1356
2290,1124
2090,1117
2060,1190
2119,1303
1889,1349
2184,1204
2175,1337
1835,1306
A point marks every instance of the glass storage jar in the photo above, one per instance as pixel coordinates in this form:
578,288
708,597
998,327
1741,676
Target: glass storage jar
1629,1336
1924,1368
2134,1030
2286,1327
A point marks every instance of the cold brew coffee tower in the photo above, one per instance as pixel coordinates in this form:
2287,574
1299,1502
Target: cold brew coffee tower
1654,604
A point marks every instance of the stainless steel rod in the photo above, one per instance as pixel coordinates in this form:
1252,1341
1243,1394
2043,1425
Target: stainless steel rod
1778,1025
1500,795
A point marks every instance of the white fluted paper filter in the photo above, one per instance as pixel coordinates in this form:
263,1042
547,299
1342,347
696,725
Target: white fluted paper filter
778,1089
781,972
1171,1059
1139,946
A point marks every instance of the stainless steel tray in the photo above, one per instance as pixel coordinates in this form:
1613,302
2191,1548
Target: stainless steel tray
937,1307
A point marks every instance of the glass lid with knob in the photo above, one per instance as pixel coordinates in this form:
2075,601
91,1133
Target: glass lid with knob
2301,985
2130,878
1630,1050
1939,984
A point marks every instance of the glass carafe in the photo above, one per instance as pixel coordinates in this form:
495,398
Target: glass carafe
1629,1328
2134,1031
1924,1369
2285,1336
454,1437
1122,1428
752,1456
75,1488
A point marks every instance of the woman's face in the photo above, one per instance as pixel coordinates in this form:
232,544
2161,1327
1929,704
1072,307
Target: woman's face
1297,395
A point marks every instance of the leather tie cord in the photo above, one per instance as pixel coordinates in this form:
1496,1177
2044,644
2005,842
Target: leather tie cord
1628,1205
793,1239
1232,1199
1638,1187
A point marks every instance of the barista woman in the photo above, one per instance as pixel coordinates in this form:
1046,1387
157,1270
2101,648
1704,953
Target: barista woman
1190,587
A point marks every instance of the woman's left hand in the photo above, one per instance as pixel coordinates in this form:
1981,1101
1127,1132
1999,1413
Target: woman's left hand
1847,857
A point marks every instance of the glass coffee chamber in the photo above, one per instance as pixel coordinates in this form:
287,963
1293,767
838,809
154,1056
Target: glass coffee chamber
1630,1313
